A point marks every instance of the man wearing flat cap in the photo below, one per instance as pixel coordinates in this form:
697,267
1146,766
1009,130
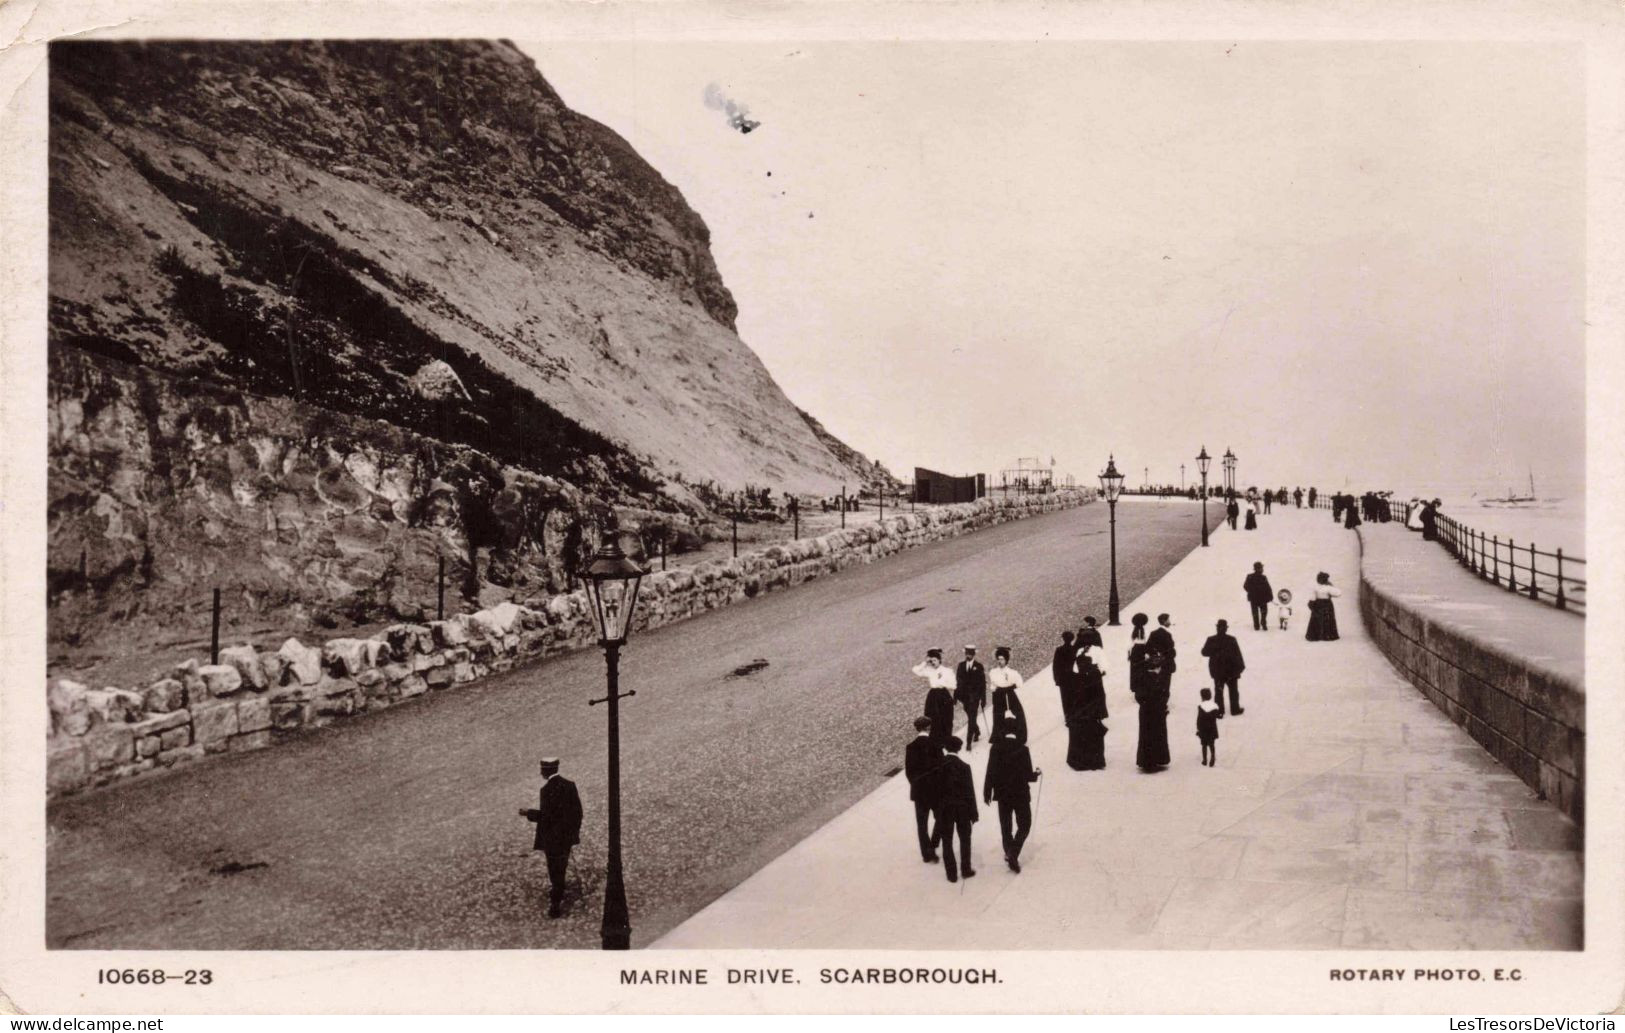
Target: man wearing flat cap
558,828
970,692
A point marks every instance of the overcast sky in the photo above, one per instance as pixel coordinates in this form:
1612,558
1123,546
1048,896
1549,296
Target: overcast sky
1360,260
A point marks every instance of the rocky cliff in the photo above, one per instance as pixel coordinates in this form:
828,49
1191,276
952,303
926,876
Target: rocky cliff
418,233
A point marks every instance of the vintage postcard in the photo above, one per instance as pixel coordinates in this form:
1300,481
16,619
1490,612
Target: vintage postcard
634,507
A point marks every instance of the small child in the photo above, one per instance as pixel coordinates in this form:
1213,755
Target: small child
1283,607
1207,728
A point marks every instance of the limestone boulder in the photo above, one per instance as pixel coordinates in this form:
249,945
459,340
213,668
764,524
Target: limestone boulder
247,662
450,632
70,711
164,696
346,656
114,706
220,679
213,724
185,672
304,664
110,745
253,714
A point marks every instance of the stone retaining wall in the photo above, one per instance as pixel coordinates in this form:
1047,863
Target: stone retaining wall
1530,718
249,698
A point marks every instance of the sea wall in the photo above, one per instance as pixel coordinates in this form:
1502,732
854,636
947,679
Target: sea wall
251,698
1515,699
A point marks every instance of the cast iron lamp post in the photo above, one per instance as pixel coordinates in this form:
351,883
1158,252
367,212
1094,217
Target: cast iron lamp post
612,587
1229,474
1111,482
1202,461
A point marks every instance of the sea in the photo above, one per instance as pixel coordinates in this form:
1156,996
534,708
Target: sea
1555,520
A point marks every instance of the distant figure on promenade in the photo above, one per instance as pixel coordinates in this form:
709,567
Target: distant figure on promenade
1086,727
557,815
1061,669
1283,607
1009,778
970,692
1008,713
1337,507
1224,664
1232,510
1148,681
1252,516
1089,634
1138,622
1322,613
956,809
1311,496
1351,517
1207,728
1297,498
921,759
1259,594
939,699
1430,521
1413,515
1269,497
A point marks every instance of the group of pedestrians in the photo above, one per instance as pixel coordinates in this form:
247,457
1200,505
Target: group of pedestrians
940,782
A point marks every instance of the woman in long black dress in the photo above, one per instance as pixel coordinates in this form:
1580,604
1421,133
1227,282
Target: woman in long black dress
1145,681
1086,727
1322,614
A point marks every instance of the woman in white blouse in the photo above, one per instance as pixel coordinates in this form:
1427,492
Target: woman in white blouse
1007,709
1322,614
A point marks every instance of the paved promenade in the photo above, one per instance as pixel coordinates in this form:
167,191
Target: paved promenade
1345,810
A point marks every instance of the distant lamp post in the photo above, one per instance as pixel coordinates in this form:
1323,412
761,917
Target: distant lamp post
1229,474
1202,461
1111,482
612,587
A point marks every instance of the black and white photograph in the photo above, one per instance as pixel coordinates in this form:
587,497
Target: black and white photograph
568,483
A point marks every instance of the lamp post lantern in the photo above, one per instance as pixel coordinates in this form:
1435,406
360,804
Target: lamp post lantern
1202,461
1111,482
612,588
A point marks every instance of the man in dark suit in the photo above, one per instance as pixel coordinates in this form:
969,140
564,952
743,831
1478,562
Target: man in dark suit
1063,672
1161,641
1225,664
1009,779
1232,510
970,691
956,809
558,828
1259,594
921,759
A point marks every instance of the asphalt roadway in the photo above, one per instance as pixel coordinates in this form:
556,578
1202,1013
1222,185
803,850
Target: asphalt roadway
399,829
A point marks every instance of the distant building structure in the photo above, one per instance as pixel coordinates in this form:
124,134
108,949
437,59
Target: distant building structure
1028,476
932,486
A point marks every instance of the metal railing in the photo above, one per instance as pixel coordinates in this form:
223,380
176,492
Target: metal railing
1519,568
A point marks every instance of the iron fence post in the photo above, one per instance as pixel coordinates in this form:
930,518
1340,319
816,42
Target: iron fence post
1495,558
1534,586
1512,565
1562,601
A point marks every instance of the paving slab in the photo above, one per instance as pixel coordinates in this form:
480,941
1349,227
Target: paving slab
1345,810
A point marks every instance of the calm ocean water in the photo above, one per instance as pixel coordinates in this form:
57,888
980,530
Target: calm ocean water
1556,519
